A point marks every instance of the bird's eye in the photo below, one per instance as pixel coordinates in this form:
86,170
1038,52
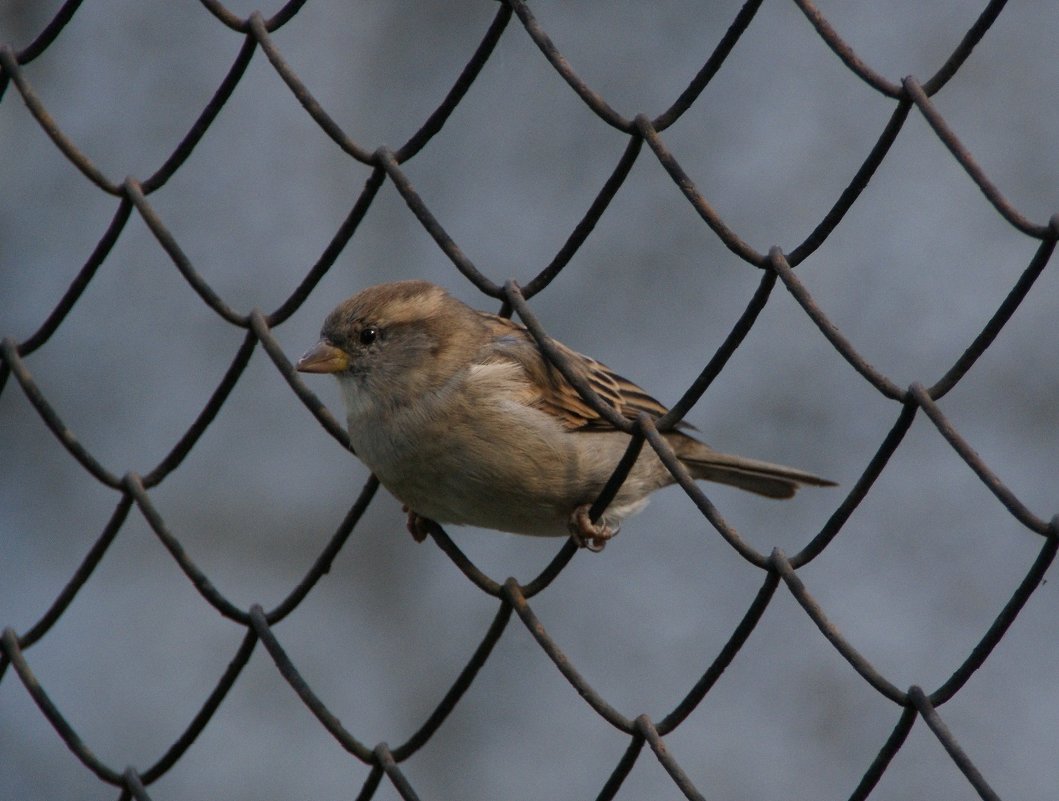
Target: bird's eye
368,335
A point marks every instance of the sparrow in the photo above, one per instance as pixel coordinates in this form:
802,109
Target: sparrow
464,420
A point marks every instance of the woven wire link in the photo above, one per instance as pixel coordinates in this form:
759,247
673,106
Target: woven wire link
646,139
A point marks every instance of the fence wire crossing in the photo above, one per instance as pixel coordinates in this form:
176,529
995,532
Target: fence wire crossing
645,140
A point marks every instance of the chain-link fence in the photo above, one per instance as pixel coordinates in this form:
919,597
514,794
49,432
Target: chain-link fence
686,660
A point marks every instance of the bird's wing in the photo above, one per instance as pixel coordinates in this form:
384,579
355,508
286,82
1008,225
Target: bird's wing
551,392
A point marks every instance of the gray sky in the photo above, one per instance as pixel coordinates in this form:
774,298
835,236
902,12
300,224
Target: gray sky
910,276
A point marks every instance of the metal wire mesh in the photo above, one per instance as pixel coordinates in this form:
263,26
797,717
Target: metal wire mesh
646,139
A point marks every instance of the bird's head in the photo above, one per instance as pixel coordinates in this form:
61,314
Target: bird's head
395,342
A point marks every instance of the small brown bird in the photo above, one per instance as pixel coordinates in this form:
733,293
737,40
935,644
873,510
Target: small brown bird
461,417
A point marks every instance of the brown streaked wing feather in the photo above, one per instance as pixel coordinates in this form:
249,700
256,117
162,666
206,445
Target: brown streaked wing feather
512,342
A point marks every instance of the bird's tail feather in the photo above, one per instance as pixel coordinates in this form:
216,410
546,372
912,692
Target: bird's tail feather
764,478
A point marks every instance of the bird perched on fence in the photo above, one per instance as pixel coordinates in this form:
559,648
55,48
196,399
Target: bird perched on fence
462,418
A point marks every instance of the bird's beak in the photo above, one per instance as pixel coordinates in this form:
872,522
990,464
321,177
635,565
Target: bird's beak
323,357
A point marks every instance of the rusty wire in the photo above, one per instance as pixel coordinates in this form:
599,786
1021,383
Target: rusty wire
909,96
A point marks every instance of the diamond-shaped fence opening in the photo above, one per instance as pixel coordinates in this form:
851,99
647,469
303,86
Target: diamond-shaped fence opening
746,208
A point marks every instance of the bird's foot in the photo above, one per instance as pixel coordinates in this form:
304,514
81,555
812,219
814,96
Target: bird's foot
587,534
418,526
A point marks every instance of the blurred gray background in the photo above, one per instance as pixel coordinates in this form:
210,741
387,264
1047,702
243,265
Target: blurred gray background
911,275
